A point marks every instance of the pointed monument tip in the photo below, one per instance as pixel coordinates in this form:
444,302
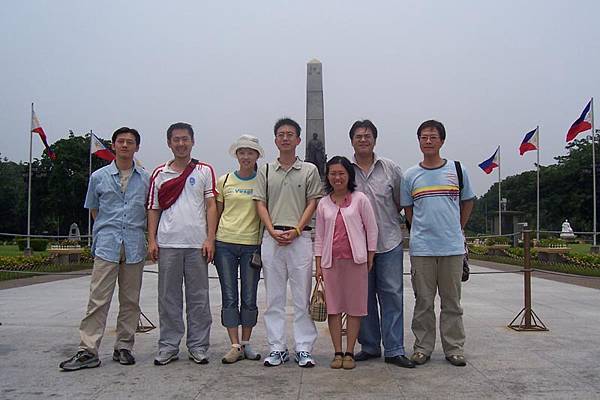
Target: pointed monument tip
314,61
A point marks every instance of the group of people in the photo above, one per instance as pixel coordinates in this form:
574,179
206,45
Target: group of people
193,219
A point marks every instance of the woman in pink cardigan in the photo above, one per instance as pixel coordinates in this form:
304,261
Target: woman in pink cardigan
345,244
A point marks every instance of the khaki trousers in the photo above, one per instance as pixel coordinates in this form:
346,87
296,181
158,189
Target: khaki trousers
104,277
430,275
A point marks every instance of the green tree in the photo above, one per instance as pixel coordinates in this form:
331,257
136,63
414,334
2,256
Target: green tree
58,188
565,192
13,212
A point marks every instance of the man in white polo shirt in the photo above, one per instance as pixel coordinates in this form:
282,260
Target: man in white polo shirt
182,222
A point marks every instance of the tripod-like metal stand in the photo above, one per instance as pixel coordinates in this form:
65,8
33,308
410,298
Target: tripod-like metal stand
141,328
529,320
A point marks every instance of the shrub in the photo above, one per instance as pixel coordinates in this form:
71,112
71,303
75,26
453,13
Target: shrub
552,242
477,249
13,265
584,259
496,240
86,256
36,244
520,252
567,268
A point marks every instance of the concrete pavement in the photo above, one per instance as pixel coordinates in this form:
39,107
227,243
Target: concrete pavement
40,328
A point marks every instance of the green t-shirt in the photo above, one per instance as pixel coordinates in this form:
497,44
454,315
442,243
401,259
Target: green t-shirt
289,191
239,221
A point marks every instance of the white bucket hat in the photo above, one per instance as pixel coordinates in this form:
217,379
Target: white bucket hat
246,142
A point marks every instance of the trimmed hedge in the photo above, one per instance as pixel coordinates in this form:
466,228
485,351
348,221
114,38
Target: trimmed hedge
562,267
552,242
36,244
497,240
39,263
52,268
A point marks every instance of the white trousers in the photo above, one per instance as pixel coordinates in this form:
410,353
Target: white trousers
280,264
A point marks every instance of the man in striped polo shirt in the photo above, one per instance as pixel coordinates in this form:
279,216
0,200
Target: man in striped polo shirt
438,199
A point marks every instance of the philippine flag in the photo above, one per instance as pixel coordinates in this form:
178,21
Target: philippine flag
99,149
493,162
37,128
530,142
583,123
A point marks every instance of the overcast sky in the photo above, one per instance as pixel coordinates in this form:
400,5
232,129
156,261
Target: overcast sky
489,70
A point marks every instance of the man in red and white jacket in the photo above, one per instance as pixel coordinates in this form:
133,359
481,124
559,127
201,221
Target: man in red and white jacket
182,223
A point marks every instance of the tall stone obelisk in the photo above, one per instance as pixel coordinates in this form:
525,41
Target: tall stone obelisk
315,126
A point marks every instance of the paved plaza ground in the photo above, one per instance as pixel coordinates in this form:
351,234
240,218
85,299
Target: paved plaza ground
40,321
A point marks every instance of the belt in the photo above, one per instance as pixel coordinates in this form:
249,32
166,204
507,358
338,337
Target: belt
290,228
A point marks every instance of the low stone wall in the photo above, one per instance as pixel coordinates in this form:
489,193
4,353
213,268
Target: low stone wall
66,256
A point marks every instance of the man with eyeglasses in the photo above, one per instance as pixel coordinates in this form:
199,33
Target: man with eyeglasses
286,196
182,225
438,199
116,199
379,178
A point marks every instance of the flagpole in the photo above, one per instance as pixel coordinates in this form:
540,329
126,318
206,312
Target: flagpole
499,195
594,168
27,251
538,185
89,176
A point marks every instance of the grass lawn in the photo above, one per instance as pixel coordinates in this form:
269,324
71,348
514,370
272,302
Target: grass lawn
581,248
13,250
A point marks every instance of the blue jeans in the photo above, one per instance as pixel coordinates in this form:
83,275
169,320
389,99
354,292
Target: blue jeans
386,285
228,258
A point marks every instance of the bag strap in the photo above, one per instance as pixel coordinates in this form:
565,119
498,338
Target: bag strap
461,185
318,283
259,221
267,192
314,292
459,173
224,182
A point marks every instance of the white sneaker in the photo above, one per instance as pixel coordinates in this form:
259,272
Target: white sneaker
198,356
304,359
249,353
163,358
276,358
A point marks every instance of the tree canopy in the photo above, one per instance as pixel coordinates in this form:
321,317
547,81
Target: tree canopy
565,192
58,189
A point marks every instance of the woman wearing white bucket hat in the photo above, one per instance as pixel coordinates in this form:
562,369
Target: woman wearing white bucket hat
238,237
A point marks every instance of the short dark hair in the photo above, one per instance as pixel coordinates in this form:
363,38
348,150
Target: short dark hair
344,162
125,129
287,121
367,124
180,125
438,126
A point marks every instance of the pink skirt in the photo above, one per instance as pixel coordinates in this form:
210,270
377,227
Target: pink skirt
346,286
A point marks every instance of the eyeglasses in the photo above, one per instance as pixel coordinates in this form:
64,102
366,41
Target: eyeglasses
128,142
285,135
182,139
431,138
366,137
